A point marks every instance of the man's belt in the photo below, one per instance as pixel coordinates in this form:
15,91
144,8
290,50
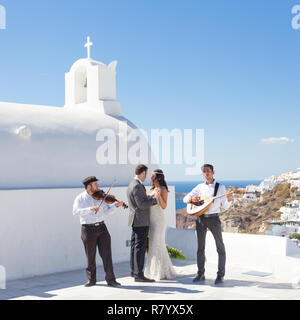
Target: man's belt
212,215
97,224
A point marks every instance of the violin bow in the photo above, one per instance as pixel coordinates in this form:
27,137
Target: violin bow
106,195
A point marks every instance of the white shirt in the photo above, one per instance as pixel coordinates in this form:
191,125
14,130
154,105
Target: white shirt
138,179
205,189
82,208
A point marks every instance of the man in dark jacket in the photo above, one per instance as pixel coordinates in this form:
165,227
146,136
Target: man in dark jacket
139,205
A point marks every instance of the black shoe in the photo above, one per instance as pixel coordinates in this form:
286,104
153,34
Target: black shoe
143,279
114,284
132,275
90,284
219,280
199,278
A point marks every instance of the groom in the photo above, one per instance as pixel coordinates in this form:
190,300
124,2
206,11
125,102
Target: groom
139,205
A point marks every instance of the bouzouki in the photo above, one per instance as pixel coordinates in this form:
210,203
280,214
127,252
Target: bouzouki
199,208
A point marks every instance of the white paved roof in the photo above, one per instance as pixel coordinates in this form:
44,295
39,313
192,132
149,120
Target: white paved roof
237,286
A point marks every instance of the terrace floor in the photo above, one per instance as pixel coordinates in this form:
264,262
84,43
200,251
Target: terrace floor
240,284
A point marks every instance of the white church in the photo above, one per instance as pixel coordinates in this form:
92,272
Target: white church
46,152
50,147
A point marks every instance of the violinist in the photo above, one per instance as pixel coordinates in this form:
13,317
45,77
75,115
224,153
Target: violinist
94,233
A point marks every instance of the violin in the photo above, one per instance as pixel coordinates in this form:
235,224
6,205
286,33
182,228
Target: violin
109,199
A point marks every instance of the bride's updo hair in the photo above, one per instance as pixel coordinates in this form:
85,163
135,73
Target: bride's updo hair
160,177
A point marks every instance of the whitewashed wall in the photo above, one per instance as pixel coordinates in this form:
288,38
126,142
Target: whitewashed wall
39,235
277,255
295,183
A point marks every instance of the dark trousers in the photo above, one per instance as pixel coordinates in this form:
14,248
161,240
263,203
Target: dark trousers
93,237
214,225
138,250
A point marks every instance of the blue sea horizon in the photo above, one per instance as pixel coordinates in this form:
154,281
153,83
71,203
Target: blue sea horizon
187,186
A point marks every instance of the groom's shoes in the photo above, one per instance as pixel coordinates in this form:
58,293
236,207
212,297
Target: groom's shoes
199,278
219,280
143,279
114,283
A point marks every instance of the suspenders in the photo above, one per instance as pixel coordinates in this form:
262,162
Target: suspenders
216,189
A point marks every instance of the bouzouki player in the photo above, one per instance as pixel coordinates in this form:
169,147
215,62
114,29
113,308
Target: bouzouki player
210,220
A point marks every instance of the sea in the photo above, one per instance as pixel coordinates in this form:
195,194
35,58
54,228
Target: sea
187,186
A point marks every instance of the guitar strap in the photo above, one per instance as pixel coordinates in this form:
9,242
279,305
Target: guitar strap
216,189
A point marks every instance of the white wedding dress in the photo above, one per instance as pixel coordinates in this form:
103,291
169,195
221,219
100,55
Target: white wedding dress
159,265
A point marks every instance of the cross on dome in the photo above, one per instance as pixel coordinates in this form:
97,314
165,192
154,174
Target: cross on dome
88,46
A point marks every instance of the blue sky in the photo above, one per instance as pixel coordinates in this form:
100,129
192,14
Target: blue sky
230,67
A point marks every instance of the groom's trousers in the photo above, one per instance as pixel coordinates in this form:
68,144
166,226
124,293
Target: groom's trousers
214,225
138,250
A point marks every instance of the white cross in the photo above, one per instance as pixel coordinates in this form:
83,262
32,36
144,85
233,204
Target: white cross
88,46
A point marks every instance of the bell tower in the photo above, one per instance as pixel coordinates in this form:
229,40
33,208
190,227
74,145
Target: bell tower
92,83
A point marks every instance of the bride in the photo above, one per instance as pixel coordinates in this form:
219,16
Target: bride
159,265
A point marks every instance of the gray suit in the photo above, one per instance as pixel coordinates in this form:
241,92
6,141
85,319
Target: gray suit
139,204
139,219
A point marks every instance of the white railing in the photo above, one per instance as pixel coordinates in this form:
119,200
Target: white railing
39,234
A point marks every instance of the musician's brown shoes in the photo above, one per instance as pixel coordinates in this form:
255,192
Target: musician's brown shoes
90,284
